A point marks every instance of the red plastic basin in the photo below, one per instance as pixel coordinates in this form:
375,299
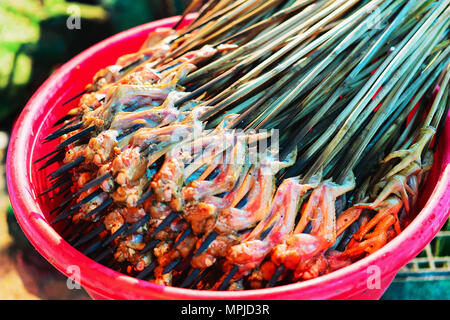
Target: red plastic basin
25,182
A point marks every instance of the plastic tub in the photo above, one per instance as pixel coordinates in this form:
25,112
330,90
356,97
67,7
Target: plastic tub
25,182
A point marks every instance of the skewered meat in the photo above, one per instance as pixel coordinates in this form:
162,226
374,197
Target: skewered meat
165,149
252,251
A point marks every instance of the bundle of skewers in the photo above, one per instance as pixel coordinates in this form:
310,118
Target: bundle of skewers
265,143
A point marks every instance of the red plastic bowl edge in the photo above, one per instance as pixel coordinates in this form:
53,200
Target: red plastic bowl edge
97,278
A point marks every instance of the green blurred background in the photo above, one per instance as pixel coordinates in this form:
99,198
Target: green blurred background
34,41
